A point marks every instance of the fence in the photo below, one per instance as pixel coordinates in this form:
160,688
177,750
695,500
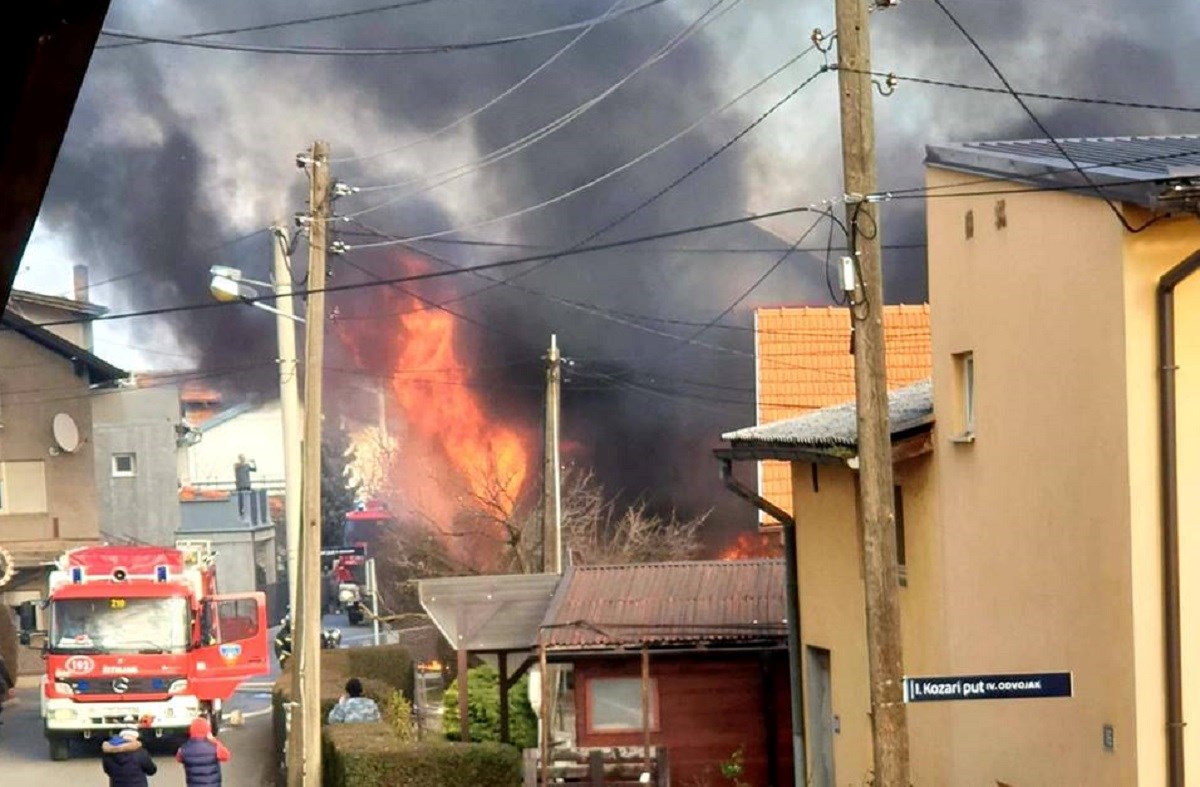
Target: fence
597,767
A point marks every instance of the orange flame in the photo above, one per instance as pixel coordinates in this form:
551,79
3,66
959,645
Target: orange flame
750,546
441,409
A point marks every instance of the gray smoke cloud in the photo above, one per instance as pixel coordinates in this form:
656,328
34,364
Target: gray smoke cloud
173,151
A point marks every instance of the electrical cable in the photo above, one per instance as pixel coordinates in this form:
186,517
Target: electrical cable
281,24
483,107
1041,126
1024,93
330,51
436,274
438,179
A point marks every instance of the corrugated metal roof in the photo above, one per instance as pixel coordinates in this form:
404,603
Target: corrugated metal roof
489,613
605,607
1129,168
837,427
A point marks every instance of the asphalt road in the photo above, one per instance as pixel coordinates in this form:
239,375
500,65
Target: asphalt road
25,760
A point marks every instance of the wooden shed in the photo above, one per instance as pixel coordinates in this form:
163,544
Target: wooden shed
687,657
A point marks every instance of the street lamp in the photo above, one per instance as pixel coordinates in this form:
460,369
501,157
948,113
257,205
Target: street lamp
228,285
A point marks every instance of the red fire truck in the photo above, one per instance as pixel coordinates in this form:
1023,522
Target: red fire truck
137,636
361,537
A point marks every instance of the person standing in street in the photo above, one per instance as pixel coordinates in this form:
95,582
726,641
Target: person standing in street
202,755
126,761
8,684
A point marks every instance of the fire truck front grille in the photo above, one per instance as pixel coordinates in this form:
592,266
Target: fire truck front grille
124,685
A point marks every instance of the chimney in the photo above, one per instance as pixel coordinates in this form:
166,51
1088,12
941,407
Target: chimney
81,282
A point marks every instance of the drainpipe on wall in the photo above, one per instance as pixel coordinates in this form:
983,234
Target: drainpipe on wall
792,571
1169,485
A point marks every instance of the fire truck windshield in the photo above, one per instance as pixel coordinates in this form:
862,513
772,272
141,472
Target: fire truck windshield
119,625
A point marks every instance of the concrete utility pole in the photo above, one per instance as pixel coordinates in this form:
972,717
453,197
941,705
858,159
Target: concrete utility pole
289,404
876,497
552,478
308,617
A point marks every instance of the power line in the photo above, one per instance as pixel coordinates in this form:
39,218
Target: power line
281,24
512,148
330,51
1041,126
214,304
486,105
1025,93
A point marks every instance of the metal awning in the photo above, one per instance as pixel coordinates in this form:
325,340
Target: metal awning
497,613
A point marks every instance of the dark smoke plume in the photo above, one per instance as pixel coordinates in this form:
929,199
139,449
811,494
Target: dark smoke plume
173,151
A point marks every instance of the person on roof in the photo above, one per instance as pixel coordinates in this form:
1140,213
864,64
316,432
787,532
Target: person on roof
125,761
353,706
202,755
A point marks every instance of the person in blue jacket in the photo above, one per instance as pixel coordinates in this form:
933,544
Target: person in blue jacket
126,761
202,755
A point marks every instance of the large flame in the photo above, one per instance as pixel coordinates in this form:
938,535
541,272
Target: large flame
441,408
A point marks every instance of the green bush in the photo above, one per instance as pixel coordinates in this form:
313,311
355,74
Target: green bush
483,709
391,664
397,712
370,755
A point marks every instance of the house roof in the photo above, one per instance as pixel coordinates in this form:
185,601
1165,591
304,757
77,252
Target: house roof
667,604
804,364
71,305
226,415
1133,169
488,613
99,370
834,430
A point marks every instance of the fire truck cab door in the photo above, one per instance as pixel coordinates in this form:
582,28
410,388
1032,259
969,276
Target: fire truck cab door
233,646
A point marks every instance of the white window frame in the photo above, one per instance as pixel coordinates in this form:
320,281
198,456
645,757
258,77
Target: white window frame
594,683
964,369
131,472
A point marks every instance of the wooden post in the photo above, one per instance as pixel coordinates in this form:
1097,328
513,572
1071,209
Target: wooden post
596,768
884,656
552,476
646,705
502,663
545,714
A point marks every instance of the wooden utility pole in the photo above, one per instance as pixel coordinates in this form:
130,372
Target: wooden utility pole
876,497
308,617
552,472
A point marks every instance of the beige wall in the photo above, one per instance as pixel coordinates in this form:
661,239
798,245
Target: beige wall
35,384
1147,256
79,333
1035,512
832,611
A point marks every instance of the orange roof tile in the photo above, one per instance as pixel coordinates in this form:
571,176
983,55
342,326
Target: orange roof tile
804,364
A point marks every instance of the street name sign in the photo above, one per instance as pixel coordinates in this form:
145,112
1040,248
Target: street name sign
988,687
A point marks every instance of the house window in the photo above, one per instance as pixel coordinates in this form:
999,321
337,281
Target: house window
901,561
964,383
615,704
124,465
22,487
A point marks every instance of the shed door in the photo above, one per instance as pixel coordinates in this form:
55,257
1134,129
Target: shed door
820,718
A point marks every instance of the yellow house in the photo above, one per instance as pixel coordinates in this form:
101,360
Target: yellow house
1051,516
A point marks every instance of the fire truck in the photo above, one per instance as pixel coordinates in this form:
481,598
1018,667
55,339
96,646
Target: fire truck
138,637
346,564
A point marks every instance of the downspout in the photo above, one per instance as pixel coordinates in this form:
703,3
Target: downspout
1169,486
792,572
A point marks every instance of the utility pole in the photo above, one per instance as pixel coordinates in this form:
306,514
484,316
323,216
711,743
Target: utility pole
876,502
289,404
308,618
552,476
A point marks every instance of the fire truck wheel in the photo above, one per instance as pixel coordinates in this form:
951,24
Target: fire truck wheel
60,749
214,719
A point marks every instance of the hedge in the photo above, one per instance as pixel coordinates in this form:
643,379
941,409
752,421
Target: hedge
382,670
370,755
483,709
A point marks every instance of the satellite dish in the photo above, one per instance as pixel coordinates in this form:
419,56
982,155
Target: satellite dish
66,433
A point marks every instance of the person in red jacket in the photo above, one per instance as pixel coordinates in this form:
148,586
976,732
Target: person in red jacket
202,755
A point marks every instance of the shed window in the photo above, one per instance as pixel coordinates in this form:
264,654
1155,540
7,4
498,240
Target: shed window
615,704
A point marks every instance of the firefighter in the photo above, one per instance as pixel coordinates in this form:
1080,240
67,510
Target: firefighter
283,640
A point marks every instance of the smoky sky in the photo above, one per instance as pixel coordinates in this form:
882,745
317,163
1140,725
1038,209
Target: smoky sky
173,152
